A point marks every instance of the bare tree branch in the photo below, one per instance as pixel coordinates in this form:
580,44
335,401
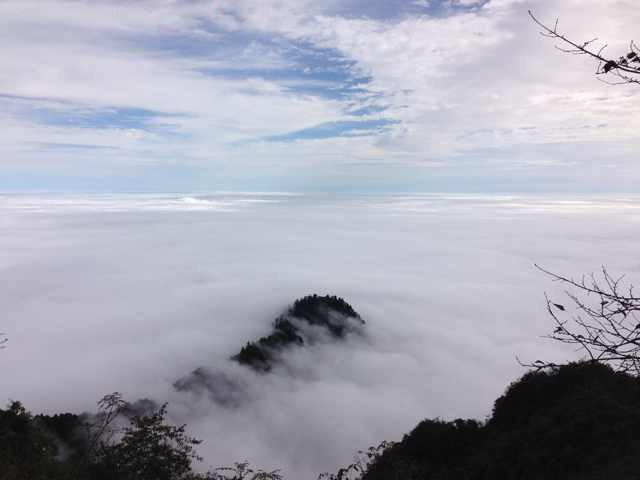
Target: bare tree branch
605,322
626,68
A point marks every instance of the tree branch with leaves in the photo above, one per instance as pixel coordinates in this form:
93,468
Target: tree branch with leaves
242,471
101,430
625,69
361,463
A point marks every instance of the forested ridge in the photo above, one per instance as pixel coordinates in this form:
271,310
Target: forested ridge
576,421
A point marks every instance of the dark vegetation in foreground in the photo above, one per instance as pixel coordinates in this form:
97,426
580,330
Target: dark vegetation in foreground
577,421
93,447
569,422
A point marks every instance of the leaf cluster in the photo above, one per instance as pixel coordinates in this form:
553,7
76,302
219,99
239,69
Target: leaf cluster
81,447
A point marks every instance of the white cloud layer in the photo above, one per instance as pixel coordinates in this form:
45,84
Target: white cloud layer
129,293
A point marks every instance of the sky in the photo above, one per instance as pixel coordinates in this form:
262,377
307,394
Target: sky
129,293
312,96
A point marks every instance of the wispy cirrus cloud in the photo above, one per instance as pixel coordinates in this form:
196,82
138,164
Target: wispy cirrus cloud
205,83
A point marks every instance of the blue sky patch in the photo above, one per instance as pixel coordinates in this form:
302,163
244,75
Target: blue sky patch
299,67
349,128
68,114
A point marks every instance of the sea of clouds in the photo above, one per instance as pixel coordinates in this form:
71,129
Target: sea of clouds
103,293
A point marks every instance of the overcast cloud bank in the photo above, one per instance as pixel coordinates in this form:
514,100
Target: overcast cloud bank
129,293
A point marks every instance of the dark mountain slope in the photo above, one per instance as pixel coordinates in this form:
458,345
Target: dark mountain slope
330,314
308,320
579,421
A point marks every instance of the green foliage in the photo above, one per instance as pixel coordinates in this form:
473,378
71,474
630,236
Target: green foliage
101,430
328,312
242,471
255,356
315,310
573,422
149,449
578,421
59,447
27,450
360,465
